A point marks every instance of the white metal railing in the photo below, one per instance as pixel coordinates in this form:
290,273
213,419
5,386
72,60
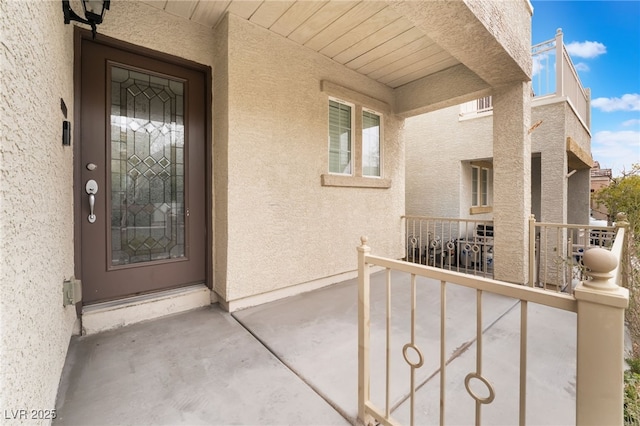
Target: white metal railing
461,245
555,74
556,252
476,107
599,304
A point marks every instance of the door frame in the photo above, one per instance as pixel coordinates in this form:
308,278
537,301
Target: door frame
81,34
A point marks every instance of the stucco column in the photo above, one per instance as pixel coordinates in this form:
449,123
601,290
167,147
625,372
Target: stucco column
553,183
511,180
579,196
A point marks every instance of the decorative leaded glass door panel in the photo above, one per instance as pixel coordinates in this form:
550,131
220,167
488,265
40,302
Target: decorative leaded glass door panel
142,145
147,167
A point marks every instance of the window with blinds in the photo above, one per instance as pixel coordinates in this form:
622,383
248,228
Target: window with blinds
339,138
370,144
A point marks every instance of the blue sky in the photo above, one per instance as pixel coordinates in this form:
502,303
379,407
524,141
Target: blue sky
603,39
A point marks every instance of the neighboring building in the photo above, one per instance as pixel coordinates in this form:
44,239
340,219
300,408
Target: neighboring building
229,152
451,160
600,178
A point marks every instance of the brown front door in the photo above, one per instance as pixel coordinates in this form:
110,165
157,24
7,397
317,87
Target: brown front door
142,167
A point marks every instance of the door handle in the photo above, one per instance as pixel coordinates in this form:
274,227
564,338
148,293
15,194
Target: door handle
91,188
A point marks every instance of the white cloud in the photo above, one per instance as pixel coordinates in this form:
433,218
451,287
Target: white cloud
628,102
586,49
581,66
632,122
616,150
537,63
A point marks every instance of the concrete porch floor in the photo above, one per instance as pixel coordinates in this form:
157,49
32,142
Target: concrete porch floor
294,362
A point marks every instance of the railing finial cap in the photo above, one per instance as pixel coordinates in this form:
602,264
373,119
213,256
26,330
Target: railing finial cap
621,217
600,264
364,240
559,31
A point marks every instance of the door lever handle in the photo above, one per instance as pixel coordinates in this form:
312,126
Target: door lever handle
91,188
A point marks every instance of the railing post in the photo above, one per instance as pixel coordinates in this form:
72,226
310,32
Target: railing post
559,63
622,222
600,352
532,250
363,332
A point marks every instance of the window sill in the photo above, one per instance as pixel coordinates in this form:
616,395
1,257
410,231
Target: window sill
480,210
355,181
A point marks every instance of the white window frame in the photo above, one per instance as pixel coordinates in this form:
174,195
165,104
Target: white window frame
359,103
380,144
481,188
351,137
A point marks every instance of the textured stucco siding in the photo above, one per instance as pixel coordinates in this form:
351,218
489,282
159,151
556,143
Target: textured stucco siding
437,181
579,197
446,88
510,23
576,129
438,148
284,228
220,156
147,26
36,204
512,181
550,140
579,184
490,37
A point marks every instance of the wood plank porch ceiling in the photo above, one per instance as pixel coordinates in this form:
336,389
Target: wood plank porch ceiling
367,36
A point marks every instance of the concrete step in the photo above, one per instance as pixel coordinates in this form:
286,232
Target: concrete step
119,313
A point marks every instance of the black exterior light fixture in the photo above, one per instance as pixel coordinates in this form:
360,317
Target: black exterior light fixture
93,12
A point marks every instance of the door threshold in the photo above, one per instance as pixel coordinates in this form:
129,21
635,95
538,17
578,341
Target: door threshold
119,313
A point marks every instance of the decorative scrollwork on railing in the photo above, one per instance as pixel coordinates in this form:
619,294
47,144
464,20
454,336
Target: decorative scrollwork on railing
413,364
486,400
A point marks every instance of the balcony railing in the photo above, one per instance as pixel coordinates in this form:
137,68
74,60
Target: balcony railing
598,302
466,245
461,245
555,75
557,250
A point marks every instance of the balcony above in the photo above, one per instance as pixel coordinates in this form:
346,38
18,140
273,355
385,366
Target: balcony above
394,43
554,75
552,80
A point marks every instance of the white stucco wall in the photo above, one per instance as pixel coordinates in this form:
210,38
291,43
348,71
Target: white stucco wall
437,185
579,197
550,140
438,175
36,205
512,181
559,121
490,37
143,25
579,184
284,228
